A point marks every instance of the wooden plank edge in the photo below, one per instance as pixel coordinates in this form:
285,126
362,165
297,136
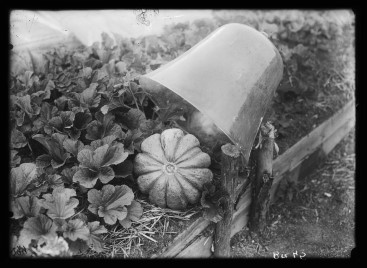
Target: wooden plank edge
183,239
200,248
316,156
309,143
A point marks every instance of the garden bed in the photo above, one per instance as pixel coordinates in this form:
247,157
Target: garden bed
71,81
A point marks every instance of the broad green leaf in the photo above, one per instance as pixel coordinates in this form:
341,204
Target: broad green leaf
86,99
106,174
61,102
18,140
68,174
78,246
54,146
72,146
47,112
95,241
85,72
82,119
102,127
24,103
98,143
35,228
114,155
133,119
43,160
134,212
86,177
86,159
52,246
54,180
59,204
102,156
63,121
28,78
25,206
19,117
76,229
110,202
21,177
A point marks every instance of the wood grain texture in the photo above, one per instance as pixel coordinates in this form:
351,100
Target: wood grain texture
200,248
230,163
181,241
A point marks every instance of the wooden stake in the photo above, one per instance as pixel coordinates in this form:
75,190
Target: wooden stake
229,173
264,180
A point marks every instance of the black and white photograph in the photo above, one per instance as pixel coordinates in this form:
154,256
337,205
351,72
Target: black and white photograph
182,133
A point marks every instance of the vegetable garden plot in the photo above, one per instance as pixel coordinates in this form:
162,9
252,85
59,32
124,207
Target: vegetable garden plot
69,116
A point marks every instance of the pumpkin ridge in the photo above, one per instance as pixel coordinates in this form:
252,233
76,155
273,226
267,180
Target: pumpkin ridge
201,179
179,159
166,190
173,169
165,146
153,180
156,159
182,188
151,171
196,186
140,163
176,147
186,143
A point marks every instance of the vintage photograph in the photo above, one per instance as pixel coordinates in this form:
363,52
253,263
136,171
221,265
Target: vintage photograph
157,133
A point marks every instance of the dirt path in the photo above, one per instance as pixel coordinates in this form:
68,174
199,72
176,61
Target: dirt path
315,219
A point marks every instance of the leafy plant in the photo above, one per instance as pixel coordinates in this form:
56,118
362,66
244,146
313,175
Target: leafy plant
103,126
89,98
57,155
21,177
18,140
94,239
35,228
110,203
134,212
25,206
60,203
95,164
76,229
51,246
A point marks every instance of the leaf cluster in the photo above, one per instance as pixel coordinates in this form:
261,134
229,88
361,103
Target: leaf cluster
77,120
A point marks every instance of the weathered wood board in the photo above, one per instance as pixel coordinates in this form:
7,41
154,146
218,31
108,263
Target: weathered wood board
296,162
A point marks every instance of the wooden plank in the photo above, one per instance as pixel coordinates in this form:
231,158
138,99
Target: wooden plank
324,149
296,160
181,241
200,248
240,216
308,150
308,144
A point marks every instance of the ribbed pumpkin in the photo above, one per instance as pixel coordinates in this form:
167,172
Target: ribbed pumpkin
172,169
